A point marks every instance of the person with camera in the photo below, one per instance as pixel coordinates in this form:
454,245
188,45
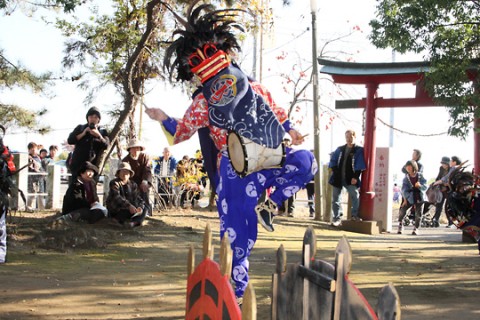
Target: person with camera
90,141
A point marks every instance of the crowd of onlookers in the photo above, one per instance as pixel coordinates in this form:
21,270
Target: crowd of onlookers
416,194
182,182
127,201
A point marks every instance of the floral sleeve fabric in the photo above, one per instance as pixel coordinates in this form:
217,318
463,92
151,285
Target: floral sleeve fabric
196,117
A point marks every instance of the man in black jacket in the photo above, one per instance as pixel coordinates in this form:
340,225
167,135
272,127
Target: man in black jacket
90,142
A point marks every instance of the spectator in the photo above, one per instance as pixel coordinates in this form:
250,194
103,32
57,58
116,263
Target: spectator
81,199
346,163
413,189
442,172
288,205
53,149
140,163
42,180
35,180
199,164
165,172
90,141
49,158
396,193
43,154
455,162
124,201
416,156
189,182
311,197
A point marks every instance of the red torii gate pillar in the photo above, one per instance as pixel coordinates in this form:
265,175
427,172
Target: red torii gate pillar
367,194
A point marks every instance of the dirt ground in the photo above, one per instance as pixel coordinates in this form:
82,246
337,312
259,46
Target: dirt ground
107,272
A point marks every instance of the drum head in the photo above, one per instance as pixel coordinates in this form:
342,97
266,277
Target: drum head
236,153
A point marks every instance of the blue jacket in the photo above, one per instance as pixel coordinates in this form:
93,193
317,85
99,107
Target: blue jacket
354,166
411,193
172,166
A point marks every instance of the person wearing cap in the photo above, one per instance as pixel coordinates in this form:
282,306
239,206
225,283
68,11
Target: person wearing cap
90,141
81,199
442,172
455,162
140,163
124,202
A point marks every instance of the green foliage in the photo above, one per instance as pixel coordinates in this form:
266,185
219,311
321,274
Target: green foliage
447,33
103,44
66,5
14,116
12,76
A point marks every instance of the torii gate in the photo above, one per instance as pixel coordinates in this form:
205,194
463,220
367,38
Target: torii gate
372,75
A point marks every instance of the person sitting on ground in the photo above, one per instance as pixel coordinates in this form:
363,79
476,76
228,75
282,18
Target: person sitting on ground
141,165
413,189
81,200
124,202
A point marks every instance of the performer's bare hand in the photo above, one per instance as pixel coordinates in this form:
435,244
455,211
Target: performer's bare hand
156,114
297,138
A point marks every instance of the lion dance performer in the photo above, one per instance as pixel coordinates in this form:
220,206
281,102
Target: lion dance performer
463,203
229,103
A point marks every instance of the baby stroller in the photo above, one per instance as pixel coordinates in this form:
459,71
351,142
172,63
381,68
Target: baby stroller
434,196
428,213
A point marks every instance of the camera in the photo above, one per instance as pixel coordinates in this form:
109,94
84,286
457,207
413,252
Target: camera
92,126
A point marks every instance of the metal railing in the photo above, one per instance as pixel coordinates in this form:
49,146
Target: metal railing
48,187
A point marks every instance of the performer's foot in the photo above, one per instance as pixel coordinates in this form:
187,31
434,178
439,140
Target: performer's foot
265,213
